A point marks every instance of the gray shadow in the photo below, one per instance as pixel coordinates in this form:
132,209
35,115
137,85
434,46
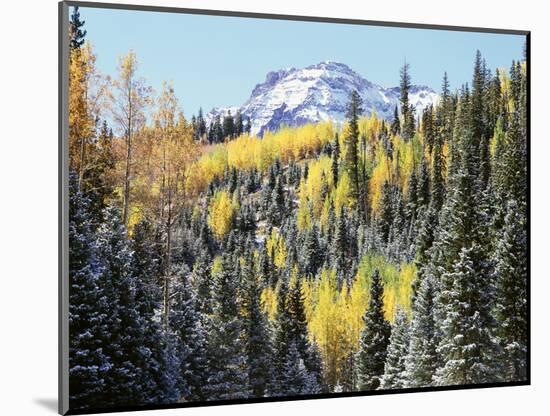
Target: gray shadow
48,404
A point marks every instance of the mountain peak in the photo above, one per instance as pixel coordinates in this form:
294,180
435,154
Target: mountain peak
319,92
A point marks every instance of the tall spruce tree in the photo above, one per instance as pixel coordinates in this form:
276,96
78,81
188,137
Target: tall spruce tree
511,293
407,111
374,339
353,113
422,359
88,321
467,346
123,338
257,333
228,377
156,359
395,376
190,340
76,33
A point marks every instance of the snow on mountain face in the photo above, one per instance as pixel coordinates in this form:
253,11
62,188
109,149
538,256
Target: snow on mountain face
318,92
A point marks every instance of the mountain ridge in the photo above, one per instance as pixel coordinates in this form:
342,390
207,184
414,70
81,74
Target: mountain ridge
294,96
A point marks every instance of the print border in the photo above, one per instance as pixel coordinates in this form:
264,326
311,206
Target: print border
63,201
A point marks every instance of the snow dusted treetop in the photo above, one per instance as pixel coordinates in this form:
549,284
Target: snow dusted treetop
318,92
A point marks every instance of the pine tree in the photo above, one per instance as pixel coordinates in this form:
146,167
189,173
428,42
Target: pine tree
228,125
412,197
407,111
228,377
239,127
127,329
310,255
145,269
98,183
395,376
281,340
201,125
88,363
467,346
511,293
76,33
385,218
438,178
354,111
335,157
374,339
396,123
298,322
258,346
202,283
423,191
422,359
185,324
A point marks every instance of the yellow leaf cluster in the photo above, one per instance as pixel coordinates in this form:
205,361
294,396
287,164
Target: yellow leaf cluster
220,213
276,246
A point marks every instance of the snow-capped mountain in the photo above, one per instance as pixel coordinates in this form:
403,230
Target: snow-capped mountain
318,92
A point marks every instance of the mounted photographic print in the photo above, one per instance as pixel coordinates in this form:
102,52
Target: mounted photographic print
263,207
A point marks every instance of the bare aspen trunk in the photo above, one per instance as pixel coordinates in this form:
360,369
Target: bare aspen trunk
168,258
82,158
128,162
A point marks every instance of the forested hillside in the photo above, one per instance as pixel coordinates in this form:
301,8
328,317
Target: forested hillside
209,264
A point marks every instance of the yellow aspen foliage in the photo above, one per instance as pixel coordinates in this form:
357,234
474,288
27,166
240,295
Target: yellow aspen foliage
216,265
220,213
319,178
87,93
326,326
324,219
342,193
380,174
268,299
407,274
276,247
246,152
397,281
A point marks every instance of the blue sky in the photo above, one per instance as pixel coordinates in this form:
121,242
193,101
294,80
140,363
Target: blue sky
217,61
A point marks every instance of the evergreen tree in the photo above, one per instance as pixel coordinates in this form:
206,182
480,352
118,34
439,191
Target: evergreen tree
201,125
76,33
88,362
202,283
97,182
385,218
335,156
227,361
156,361
422,359
511,293
258,346
127,329
467,346
354,111
407,111
239,126
185,323
228,125
296,376
396,123
374,339
395,376
423,191
438,179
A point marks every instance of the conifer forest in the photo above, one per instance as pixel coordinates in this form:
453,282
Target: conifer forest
211,263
